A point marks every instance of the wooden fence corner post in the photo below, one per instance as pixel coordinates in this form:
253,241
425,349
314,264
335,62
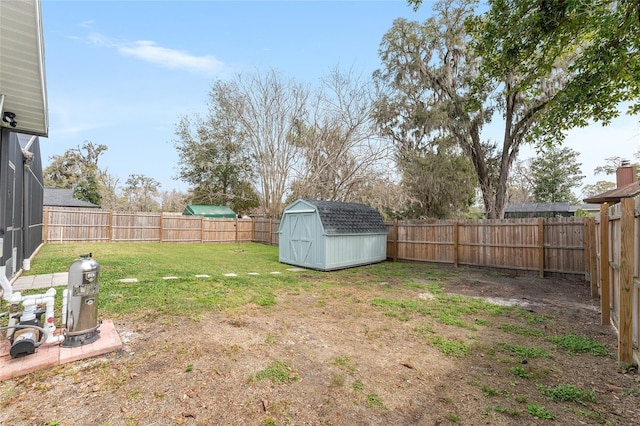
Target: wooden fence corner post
605,290
45,230
236,225
625,302
270,231
541,247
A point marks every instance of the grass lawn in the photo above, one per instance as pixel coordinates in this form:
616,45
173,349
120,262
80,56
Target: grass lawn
390,343
259,275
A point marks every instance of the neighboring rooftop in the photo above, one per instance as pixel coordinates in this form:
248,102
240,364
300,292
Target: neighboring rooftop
546,209
209,211
627,185
616,194
57,197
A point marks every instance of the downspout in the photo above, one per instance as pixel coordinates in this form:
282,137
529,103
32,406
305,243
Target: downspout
27,156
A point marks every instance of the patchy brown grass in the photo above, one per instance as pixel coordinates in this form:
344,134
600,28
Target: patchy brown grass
362,349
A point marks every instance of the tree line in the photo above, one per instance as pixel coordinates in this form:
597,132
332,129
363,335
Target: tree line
411,140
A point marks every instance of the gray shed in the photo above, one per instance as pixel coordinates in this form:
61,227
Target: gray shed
328,235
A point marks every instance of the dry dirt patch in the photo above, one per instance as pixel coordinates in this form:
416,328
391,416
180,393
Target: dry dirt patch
344,362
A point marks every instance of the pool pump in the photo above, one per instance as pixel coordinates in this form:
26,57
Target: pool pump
28,329
82,303
28,333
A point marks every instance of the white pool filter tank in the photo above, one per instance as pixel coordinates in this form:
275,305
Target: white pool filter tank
82,303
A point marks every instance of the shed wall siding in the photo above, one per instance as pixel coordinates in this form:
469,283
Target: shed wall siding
342,251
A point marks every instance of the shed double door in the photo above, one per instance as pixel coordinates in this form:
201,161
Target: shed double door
301,237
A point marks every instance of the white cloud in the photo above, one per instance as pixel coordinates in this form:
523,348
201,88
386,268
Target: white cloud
153,53
169,58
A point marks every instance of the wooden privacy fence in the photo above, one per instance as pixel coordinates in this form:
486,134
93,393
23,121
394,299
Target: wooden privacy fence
266,231
550,246
76,225
541,246
616,241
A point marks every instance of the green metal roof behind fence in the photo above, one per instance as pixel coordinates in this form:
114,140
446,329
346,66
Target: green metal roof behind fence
208,211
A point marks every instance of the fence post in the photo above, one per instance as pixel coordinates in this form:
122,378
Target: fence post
455,243
253,229
593,268
541,247
236,225
605,291
395,240
110,230
625,327
45,230
270,231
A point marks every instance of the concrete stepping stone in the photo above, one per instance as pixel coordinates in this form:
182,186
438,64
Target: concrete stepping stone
276,273
202,276
296,269
170,278
230,275
252,273
129,280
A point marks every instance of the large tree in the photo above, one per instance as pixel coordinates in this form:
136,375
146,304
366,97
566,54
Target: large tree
77,169
141,192
435,90
555,173
340,151
597,41
520,182
266,108
439,182
214,156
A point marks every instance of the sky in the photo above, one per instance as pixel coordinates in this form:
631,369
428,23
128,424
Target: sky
122,73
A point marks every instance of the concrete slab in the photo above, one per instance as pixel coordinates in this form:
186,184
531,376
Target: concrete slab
42,280
32,282
23,283
60,278
50,355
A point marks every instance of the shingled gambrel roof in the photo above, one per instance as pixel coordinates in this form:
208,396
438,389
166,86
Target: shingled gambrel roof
348,218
